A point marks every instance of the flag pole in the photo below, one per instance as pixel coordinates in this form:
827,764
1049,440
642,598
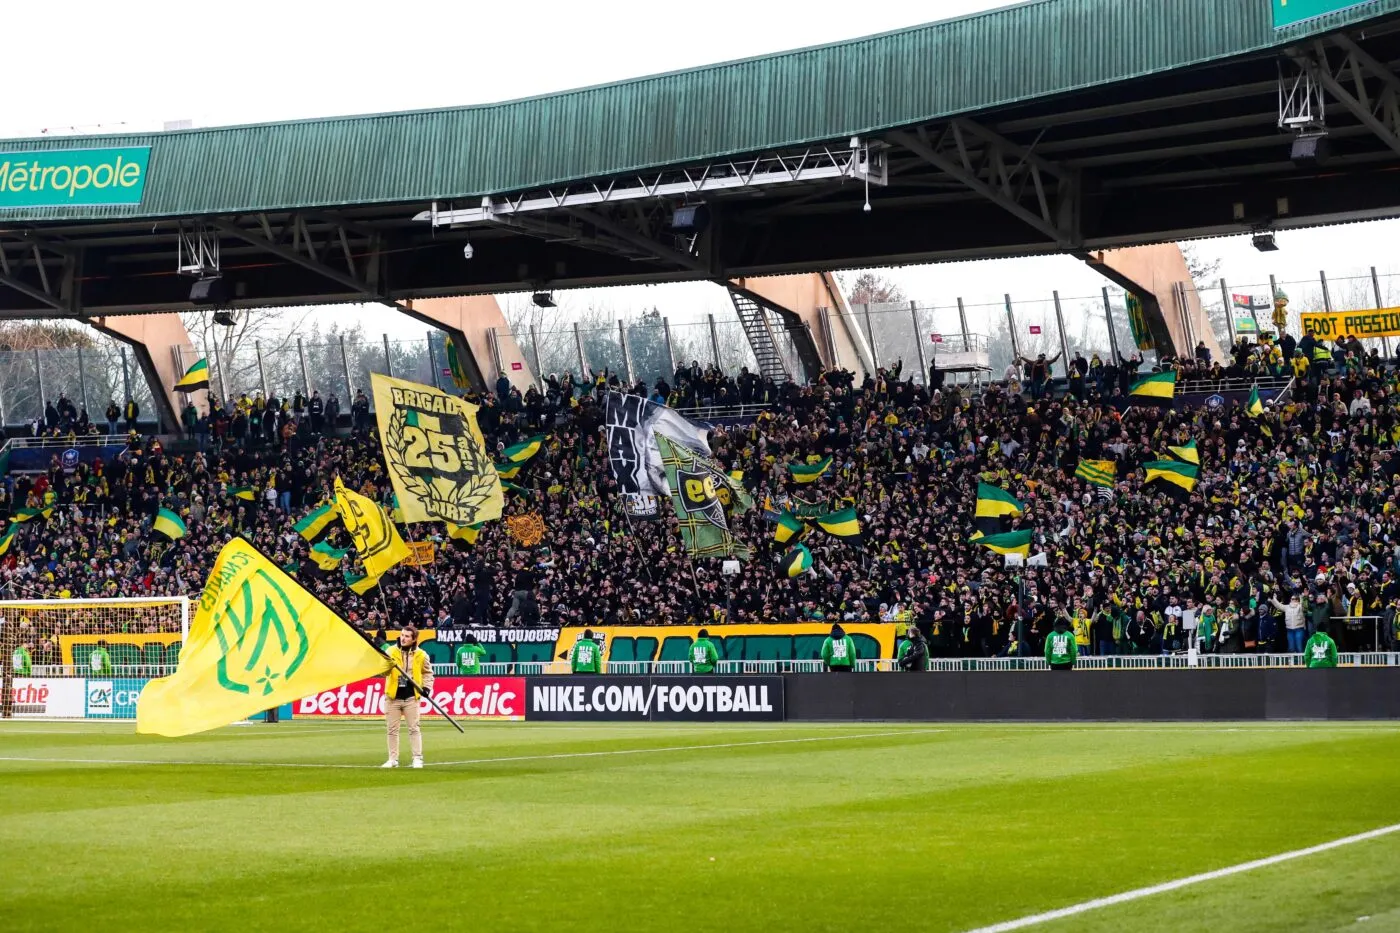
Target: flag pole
403,673
632,536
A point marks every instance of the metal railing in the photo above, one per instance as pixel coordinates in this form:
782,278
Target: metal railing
717,412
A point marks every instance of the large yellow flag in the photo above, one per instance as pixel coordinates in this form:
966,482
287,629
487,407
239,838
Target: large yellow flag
437,457
258,640
375,536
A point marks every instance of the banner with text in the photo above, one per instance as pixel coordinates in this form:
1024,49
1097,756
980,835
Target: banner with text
1337,325
462,697
48,697
656,699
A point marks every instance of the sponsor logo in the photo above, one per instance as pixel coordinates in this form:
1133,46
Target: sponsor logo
656,698
461,697
70,460
1215,401
56,697
99,696
54,177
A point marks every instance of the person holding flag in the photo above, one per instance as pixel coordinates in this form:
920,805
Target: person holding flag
401,694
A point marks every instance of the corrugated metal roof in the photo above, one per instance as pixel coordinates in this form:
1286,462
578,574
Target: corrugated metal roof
861,86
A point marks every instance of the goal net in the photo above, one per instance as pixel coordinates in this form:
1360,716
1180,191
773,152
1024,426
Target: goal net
86,658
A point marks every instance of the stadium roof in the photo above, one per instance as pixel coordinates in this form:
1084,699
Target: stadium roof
1030,51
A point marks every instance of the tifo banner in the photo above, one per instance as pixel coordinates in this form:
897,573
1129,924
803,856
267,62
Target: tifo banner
632,423
421,554
656,699
437,458
113,699
63,177
462,697
795,642
1335,325
48,697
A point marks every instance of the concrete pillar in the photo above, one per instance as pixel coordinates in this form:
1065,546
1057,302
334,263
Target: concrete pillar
1151,272
468,320
151,338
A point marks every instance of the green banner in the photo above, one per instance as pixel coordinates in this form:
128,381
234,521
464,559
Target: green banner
1288,12
60,177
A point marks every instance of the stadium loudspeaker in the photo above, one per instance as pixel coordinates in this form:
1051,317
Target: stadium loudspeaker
209,291
1310,151
692,218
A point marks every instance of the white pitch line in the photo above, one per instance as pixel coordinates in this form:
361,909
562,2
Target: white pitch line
1138,894
466,761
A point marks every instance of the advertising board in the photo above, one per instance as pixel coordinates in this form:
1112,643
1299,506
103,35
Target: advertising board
48,697
461,697
655,699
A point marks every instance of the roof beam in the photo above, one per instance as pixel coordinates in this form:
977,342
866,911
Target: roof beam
1381,116
306,261
1003,190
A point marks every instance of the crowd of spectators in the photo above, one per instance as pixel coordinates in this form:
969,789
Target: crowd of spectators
1302,502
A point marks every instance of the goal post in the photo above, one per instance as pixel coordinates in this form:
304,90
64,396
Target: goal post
86,658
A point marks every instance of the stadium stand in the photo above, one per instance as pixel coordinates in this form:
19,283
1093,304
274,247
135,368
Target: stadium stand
1303,498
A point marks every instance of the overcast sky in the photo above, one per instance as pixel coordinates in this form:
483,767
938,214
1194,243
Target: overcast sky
131,66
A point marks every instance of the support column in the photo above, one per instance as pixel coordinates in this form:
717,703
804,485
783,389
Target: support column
962,322
1064,338
345,369
468,320
671,353
1376,289
714,339
535,352
582,357
626,351
39,377
432,361
1151,273
1112,334
388,360
919,342
305,376
870,335
82,382
262,371
151,338
1011,326
1229,313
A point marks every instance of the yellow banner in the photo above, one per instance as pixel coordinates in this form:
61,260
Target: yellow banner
438,461
1334,325
376,539
155,649
421,554
258,640
734,642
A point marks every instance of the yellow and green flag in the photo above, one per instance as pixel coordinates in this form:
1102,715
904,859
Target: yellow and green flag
25,515
464,533
169,524
326,557
316,521
1187,452
196,377
842,524
258,640
809,472
520,453
1013,542
460,379
245,493
7,539
1254,407
1097,472
1137,323
1157,385
789,527
1183,475
994,502
796,562
376,538
360,584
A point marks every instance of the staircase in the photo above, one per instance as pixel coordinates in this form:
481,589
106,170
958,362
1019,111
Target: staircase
759,329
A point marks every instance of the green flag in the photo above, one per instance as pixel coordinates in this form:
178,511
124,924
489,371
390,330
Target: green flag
694,483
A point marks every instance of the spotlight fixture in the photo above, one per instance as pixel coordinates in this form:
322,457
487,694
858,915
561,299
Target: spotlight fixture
543,300
209,290
690,218
1264,242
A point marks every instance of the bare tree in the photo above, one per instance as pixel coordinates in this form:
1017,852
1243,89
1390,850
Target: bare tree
232,351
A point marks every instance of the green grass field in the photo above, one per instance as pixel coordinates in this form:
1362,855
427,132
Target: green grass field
676,828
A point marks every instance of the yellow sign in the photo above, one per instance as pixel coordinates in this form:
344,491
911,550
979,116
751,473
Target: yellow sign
421,554
1334,325
798,641
436,454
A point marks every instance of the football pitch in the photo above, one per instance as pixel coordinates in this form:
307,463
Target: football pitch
877,826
